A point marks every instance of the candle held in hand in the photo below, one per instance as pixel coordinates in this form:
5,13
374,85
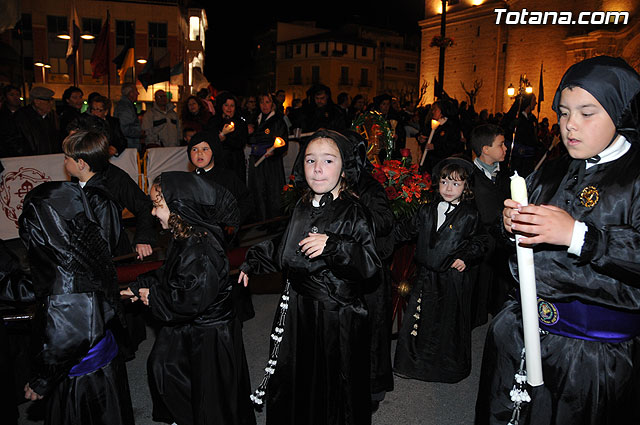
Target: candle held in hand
528,296
278,143
519,189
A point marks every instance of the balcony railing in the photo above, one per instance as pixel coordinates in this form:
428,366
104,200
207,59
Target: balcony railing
365,83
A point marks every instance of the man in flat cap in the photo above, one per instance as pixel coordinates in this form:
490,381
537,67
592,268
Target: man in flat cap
35,127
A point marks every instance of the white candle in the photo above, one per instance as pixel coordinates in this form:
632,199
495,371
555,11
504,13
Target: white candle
434,124
528,297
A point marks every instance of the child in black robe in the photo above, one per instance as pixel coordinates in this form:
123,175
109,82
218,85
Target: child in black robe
434,343
318,371
75,363
197,368
583,220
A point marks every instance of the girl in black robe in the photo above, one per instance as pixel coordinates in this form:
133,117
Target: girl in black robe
233,138
267,179
318,371
583,219
434,343
197,368
75,363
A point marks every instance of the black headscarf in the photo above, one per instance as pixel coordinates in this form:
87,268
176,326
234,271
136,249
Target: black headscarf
65,246
614,84
350,165
199,201
209,138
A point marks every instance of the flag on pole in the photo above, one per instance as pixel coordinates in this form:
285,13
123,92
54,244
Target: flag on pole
74,34
124,60
540,87
145,76
155,72
176,74
100,56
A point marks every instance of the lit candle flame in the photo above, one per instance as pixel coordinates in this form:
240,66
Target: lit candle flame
279,142
435,123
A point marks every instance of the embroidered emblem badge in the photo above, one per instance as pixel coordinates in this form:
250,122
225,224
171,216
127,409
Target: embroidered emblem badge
547,312
267,131
589,196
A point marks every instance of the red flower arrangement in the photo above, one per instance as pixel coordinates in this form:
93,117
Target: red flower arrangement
405,187
440,41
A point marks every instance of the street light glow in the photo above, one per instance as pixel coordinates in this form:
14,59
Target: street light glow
511,90
64,36
87,36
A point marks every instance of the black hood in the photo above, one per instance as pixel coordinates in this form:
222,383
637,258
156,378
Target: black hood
208,137
199,201
613,83
347,150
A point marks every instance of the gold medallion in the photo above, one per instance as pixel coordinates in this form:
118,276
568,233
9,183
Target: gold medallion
267,131
589,196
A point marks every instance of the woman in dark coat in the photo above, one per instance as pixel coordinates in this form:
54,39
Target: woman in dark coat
233,133
195,115
267,179
75,363
318,371
197,368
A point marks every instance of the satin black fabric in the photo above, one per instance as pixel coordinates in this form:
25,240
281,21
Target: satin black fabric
107,211
231,156
588,382
197,368
77,296
378,294
322,374
441,350
266,180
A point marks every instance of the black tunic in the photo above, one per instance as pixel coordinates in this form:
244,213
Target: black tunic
378,296
322,371
76,292
232,155
197,368
267,179
434,343
585,382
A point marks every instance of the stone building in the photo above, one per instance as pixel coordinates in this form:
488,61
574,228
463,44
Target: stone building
496,54
173,29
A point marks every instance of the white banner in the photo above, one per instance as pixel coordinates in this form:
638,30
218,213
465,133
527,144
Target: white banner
128,161
20,175
160,160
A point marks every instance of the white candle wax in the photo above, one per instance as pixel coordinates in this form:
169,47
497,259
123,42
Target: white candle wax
528,297
434,124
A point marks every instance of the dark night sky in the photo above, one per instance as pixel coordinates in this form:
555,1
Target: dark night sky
232,26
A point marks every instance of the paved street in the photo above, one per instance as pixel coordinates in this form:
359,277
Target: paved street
411,403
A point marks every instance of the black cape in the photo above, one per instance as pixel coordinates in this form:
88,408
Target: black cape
589,382
434,343
322,371
77,297
197,368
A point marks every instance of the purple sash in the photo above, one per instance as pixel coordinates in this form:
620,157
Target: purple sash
98,356
589,322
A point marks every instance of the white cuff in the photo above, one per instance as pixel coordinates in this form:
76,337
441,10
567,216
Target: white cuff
577,238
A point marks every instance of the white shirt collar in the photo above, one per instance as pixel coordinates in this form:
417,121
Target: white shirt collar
619,147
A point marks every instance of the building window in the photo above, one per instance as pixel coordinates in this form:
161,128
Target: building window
157,34
316,48
288,51
344,47
344,75
410,67
364,78
23,24
125,33
364,52
315,74
57,47
298,49
297,75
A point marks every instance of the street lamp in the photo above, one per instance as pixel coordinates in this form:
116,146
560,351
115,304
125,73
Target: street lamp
42,66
